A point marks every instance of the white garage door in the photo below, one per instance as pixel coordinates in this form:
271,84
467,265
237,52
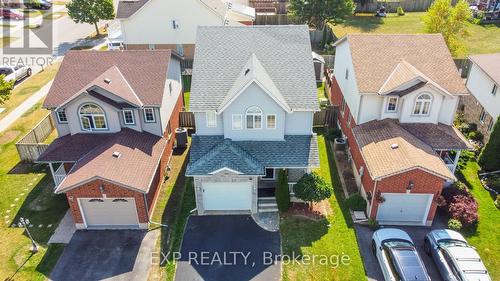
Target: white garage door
226,196
404,208
109,212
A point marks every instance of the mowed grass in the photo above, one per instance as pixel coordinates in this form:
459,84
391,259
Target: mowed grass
485,237
26,88
333,237
27,191
482,38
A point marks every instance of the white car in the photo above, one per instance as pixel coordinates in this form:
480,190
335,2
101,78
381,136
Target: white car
397,256
15,73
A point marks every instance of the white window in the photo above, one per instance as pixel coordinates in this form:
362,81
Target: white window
490,125
392,104
237,122
61,116
254,118
169,130
422,105
128,117
180,49
149,115
211,119
92,117
342,106
482,116
271,121
151,46
349,121
494,90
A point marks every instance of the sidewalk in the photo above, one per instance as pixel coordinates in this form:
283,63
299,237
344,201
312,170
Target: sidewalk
10,118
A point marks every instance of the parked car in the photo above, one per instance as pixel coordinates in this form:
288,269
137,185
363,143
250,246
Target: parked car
455,259
40,4
15,73
397,256
13,14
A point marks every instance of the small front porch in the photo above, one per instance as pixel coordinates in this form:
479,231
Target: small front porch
266,187
450,158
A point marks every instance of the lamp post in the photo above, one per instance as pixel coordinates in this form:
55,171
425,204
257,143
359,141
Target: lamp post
25,223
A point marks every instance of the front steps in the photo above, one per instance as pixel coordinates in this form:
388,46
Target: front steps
267,205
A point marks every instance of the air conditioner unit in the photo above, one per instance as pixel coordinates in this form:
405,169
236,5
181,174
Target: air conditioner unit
175,24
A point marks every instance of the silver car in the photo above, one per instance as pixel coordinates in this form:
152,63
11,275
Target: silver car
455,259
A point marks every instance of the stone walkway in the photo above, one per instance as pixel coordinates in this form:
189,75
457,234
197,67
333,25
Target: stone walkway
269,221
64,231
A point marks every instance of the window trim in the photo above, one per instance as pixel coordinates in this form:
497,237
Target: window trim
482,116
169,130
253,118
125,119
145,115
347,73
494,90
208,120
267,121
342,106
241,121
491,125
265,174
420,114
81,116
395,110
59,117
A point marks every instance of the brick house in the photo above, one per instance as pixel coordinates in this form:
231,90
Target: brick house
116,115
396,96
481,106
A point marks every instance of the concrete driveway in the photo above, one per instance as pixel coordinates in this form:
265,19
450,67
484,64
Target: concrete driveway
228,248
417,234
106,254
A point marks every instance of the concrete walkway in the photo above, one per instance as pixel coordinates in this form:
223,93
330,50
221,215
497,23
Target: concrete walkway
10,118
64,232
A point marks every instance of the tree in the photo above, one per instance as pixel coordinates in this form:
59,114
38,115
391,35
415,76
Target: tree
489,159
91,11
312,188
317,13
282,192
5,89
451,22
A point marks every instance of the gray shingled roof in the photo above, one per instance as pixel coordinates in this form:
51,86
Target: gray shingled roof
223,51
211,153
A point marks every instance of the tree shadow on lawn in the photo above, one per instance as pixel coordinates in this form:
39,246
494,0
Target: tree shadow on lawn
298,232
363,22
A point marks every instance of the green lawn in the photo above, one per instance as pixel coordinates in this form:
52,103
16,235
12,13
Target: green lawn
482,39
333,236
321,90
485,237
26,192
23,91
186,100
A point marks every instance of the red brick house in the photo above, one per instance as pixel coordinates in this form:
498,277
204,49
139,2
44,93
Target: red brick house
116,115
396,96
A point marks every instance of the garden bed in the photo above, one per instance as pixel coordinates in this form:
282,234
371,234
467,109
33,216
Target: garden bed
345,169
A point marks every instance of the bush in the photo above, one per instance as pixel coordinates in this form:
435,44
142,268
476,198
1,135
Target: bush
464,209
400,11
333,133
356,202
454,224
373,224
282,192
497,202
493,181
312,188
488,159
475,136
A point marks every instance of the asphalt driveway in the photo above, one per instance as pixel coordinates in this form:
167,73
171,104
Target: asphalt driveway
417,234
228,248
106,254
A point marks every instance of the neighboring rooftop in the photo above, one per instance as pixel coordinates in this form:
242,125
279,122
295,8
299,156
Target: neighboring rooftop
284,52
212,153
375,57
388,149
135,76
490,64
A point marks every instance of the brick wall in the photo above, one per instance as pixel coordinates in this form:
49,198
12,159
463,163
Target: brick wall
472,109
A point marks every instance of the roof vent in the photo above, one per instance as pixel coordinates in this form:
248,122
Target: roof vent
246,71
107,81
116,154
394,145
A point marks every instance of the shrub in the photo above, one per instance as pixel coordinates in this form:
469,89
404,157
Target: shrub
497,202
373,224
488,159
464,209
400,11
454,224
312,188
356,202
333,133
282,192
475,136
493,182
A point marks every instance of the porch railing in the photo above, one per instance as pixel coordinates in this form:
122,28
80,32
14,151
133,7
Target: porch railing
59,175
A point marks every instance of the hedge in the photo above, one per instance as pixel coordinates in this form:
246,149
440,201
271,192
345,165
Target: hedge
282,192
489,159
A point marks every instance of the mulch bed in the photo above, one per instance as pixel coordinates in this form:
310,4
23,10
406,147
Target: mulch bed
317,212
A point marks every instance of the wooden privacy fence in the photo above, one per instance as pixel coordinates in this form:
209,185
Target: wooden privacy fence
280,19
391,6
186,119
325,117
31,146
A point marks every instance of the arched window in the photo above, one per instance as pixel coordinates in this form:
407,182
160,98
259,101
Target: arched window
422,105
254,118
92,117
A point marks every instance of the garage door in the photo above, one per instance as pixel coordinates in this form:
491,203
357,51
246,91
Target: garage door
226,196
404,208
109,212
